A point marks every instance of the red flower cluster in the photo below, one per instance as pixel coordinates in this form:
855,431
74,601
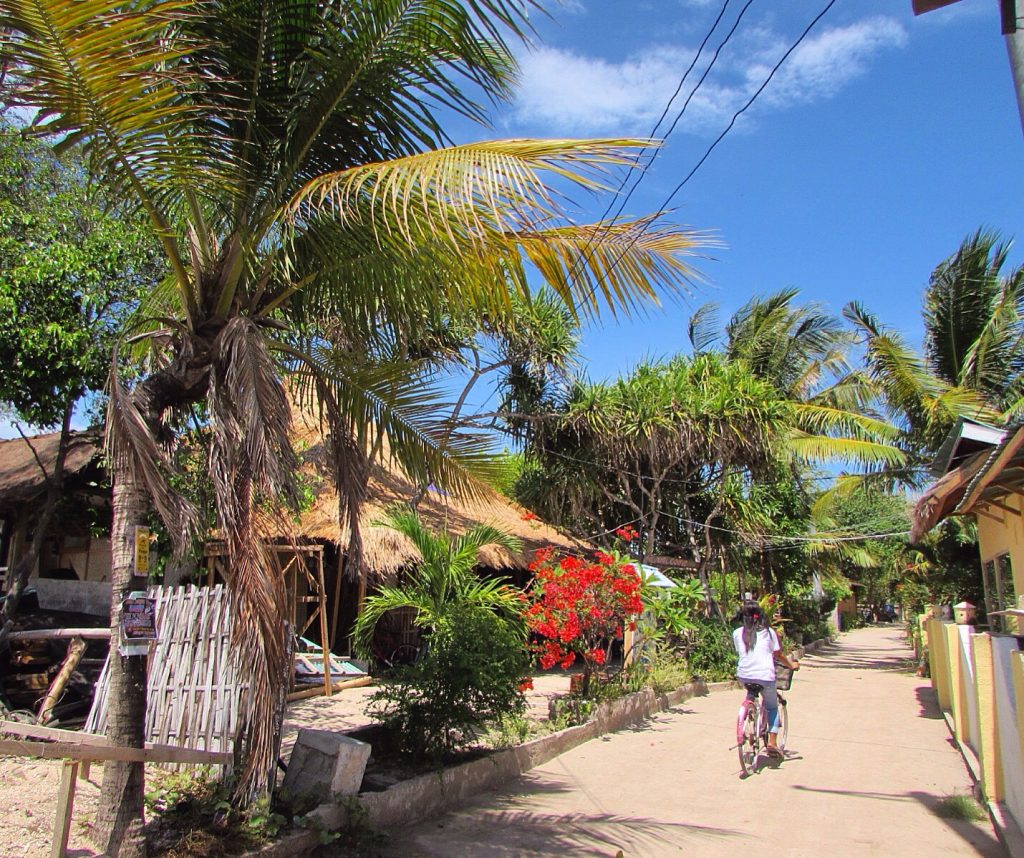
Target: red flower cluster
530,516
578,606
627,533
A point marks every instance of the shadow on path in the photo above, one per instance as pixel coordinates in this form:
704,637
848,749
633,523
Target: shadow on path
980,838
527,833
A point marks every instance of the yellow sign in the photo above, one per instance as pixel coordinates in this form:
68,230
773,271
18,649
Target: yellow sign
142,551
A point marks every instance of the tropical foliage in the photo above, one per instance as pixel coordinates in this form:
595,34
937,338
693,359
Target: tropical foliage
580,607
72,264
443,581
473,658
291,163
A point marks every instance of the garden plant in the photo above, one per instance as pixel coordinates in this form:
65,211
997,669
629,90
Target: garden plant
579,607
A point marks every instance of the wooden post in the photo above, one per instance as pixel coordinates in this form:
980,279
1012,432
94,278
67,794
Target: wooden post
325,641
65,805
337,596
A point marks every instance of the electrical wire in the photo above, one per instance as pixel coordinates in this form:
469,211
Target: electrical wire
577,266
632,242
689,98
749,102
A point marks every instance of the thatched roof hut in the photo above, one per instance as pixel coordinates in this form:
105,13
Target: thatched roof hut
384,550
25,463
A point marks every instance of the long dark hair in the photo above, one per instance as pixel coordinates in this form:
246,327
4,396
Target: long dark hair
753,621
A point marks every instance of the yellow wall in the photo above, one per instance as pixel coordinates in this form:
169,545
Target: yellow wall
1003,534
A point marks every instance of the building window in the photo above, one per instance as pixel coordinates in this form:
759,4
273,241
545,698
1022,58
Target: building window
1000,595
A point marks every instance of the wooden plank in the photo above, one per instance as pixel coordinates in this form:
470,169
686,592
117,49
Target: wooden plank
74,751
34,731
65,808
56,634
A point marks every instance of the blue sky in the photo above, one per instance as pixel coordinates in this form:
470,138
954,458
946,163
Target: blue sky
881,143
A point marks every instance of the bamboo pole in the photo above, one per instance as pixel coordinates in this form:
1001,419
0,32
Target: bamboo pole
325,641
317,691
76,649
56,634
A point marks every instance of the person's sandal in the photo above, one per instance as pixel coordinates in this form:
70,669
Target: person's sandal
775,751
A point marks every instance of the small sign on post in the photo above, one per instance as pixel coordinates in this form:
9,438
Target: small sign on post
142,536
138,623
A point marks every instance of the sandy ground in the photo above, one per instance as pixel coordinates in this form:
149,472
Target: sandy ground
28,788
868,759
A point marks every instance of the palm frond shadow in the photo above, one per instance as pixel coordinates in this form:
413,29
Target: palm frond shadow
542,834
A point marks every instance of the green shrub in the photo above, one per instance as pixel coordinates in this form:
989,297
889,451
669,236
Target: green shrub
659,666
710,653
469,675
962,807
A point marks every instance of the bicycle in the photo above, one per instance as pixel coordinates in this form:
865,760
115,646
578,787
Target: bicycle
752,721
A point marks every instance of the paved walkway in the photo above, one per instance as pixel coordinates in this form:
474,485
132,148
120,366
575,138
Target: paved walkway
868,759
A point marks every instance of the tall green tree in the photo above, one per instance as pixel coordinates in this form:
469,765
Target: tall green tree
72,264
974,321
973,349
289,158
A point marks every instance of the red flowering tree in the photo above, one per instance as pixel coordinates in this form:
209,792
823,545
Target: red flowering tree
579,606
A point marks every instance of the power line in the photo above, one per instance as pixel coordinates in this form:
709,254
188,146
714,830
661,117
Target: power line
749,102
575,272
632,242
689,98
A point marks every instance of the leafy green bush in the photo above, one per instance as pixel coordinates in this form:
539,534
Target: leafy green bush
710,653
469,675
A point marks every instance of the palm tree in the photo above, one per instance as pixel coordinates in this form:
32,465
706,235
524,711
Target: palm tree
973,349
444,580
803,352
974,321
287,155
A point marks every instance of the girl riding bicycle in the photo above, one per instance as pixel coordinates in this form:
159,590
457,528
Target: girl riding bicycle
757,646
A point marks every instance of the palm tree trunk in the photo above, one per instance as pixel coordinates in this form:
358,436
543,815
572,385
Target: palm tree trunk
119,817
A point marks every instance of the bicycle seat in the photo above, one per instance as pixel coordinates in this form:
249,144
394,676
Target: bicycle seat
753,687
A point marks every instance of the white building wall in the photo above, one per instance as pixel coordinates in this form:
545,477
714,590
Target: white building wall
967,666
1006,724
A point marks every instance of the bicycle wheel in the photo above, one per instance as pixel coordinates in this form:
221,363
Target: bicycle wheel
746,736
405,655
783,724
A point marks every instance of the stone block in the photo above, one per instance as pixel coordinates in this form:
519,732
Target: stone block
325,764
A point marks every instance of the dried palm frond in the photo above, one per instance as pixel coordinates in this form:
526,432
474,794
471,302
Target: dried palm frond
253,468
132,448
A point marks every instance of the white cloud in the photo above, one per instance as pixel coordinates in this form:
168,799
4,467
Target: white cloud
581,93
824,64
570,92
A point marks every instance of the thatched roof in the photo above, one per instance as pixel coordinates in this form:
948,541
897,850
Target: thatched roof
22,478
385,551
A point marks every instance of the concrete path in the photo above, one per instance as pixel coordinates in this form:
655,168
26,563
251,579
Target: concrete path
868,759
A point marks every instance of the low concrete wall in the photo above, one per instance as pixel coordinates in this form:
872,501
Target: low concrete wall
979,680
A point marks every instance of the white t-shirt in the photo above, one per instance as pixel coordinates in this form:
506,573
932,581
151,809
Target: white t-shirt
759,662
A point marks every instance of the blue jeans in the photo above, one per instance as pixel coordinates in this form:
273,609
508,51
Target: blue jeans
771,700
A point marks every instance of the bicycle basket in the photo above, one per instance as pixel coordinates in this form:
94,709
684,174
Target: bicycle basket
783,677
